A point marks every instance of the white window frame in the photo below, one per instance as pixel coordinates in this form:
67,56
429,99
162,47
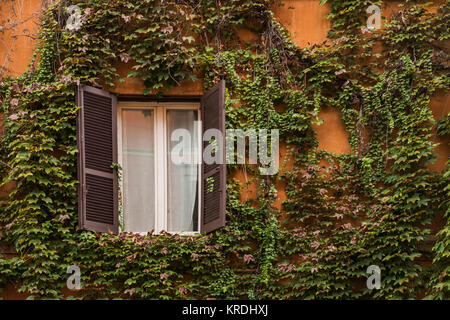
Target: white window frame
160,143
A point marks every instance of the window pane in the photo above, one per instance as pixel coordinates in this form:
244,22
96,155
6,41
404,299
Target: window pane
182,184
138,170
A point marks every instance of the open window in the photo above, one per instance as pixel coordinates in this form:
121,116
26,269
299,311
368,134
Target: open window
158,193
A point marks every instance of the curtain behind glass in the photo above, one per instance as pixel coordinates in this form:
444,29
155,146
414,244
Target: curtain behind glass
138,170
182,187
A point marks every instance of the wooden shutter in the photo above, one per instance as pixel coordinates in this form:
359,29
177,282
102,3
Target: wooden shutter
97,146
213,186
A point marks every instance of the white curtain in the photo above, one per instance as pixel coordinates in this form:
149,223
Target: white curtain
138,170
182,206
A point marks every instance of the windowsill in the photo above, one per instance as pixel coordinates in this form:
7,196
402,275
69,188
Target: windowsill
183,234
186,234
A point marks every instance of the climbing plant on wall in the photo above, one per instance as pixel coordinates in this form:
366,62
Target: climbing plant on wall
343,213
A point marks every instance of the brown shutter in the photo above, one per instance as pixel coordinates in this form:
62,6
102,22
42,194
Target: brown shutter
213,175
97,145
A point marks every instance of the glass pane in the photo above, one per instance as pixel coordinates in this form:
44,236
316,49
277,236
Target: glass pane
182,178
138,170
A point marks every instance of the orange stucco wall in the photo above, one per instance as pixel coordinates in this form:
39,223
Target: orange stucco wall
306,21
20,20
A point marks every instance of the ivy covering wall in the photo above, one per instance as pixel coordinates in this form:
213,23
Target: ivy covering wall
371,207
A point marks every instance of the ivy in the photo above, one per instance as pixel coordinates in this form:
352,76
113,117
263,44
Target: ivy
343,213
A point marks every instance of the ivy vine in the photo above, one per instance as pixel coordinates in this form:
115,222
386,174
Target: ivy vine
371,207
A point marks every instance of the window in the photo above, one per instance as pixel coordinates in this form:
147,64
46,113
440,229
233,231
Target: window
158,194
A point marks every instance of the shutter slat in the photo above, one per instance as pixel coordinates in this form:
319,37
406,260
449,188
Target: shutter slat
98,129
213,175
98,189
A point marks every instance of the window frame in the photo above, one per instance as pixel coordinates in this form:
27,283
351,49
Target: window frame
161,170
